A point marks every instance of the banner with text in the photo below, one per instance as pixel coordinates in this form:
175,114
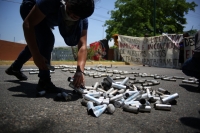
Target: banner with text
161,51
189,46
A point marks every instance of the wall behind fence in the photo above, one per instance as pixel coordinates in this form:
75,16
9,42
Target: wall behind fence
10,50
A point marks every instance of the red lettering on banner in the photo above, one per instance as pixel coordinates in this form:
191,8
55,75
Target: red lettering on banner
121,45
124,45
150,46
129,46
155,46
137,46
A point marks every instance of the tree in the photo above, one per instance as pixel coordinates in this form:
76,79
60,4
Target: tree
135,17
192,32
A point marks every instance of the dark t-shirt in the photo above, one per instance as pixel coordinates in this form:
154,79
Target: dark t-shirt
71,34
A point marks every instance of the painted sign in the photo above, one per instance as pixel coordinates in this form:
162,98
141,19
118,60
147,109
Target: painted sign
100,49
160,51
189,46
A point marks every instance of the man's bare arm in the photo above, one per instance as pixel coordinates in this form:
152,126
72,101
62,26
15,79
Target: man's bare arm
82,51
82,56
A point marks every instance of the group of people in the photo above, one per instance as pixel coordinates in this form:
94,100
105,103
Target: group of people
71,17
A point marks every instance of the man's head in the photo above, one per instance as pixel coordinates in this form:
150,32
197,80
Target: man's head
80,8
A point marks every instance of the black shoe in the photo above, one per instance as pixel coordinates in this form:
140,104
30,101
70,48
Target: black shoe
48,86
16,73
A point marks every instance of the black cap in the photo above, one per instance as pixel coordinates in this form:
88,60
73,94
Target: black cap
81,8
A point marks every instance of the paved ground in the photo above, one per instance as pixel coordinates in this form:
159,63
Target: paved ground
21,111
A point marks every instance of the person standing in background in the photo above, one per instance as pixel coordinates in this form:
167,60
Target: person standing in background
191,67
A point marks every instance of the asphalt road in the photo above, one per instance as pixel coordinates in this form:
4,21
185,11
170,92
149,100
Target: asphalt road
22,111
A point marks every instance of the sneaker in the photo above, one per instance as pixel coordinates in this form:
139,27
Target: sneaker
48,86
16,73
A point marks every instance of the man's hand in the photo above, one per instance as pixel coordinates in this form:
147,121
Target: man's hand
79,79
40,61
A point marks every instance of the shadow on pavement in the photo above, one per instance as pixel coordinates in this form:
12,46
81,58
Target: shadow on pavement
37,126
29,91
191,122
190,88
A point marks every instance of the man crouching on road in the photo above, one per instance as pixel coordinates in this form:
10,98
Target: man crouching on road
40,17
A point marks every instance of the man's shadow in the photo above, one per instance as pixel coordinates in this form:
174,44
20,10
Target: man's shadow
191,122
28,90
190,88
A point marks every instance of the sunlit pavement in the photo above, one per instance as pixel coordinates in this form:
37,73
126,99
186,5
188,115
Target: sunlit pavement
22,111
